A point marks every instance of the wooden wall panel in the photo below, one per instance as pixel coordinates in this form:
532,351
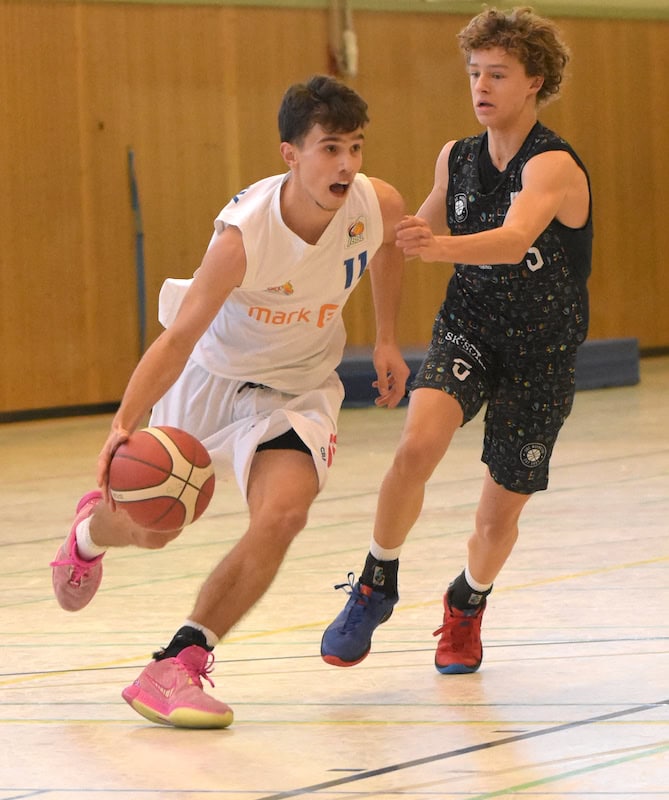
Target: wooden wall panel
615,111
194,91
40,208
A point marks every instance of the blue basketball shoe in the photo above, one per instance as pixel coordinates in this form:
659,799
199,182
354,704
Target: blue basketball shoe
348,639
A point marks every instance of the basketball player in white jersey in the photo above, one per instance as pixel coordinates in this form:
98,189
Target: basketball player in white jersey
246,363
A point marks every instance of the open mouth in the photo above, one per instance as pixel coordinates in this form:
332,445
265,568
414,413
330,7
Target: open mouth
339,189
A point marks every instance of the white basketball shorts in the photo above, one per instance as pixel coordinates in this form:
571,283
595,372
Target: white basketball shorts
231,418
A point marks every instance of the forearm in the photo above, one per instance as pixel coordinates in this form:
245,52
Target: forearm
158,369
499,246
386,276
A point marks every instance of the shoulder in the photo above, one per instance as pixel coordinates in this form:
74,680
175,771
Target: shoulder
250,207
252,196
545,140
444,157
562,163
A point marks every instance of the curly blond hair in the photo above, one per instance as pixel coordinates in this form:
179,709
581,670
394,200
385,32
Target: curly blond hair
534,40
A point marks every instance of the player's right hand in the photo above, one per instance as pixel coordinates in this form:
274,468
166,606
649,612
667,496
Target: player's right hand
114,440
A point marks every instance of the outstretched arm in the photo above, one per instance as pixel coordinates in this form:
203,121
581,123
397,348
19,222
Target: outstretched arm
221,270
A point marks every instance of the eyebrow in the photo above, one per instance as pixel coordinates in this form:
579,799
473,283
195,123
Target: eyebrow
488,66
337,137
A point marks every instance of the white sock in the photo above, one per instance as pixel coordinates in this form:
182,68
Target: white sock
478,587
383,554
210,636
86,547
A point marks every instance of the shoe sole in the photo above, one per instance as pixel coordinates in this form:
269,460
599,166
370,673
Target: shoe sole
180,717
456,669
337,662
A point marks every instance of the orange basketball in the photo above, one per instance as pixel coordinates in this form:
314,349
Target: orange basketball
163,477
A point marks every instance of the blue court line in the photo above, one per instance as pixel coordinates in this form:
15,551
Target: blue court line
417,762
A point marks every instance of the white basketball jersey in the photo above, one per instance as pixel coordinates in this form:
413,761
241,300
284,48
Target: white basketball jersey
283,326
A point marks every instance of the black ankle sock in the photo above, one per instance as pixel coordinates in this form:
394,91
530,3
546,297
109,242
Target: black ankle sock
381,575
183,638
463,597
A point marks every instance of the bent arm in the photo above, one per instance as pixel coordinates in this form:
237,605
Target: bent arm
548,181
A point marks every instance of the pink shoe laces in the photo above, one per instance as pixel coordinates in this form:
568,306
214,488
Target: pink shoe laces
198,670
80,568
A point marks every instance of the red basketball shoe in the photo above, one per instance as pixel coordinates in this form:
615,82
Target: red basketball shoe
459,649
75,581
169,692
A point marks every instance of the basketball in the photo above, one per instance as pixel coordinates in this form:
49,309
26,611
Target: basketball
163,477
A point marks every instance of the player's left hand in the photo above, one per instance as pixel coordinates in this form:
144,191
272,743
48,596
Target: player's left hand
392,372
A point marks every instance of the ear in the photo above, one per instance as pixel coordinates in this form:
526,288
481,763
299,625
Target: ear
288,153
536,83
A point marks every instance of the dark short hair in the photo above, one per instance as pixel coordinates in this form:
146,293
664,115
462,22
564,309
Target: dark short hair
323,101
534,40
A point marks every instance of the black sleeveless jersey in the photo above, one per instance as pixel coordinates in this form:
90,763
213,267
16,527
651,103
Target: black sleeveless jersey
545,293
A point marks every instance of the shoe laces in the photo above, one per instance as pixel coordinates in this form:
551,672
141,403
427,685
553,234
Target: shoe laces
358,607
80,568
458,630
197,671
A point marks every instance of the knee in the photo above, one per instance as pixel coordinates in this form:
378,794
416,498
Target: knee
497,529
415,460
284,525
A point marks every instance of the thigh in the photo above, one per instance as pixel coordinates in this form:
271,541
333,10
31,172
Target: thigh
432,418
532,398
457,365
281,487
262,414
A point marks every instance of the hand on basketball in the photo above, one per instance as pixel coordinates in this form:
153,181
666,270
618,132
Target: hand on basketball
114,440
414,236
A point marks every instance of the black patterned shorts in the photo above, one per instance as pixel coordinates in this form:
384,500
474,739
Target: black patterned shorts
529,394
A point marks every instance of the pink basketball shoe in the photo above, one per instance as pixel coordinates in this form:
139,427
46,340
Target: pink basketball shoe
75,581
169,692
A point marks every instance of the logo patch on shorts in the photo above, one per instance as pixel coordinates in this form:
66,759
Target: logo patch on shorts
461,369
531,455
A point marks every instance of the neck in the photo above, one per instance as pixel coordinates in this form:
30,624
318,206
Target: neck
302,214
503,143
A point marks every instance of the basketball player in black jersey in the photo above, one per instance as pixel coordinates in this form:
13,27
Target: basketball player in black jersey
511,208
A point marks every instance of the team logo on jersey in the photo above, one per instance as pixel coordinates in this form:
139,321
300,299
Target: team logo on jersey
356,232
286,288
531,455
461,209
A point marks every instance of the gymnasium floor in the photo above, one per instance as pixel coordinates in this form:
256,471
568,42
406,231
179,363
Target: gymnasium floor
572,700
